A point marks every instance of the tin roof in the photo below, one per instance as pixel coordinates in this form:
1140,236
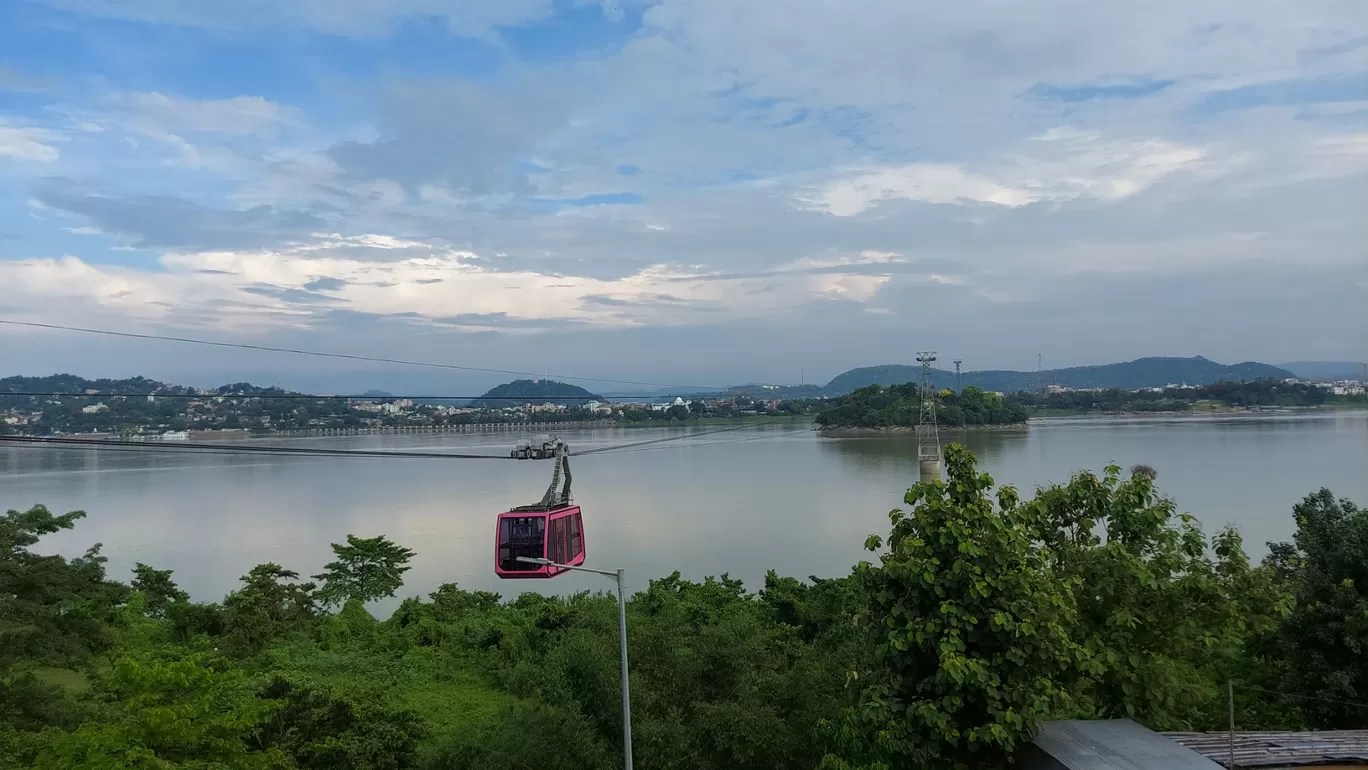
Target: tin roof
1281,749
1115,744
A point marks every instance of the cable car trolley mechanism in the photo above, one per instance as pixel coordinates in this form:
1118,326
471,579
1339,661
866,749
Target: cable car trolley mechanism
551,529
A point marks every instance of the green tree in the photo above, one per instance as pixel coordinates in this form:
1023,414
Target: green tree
53,610
270,604
321,730
191,712
968,626
158,588
366,569
1164,617
1325,638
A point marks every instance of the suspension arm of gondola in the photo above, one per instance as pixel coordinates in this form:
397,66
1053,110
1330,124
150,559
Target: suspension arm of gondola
620,577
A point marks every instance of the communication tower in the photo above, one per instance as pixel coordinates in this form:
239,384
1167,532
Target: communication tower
928,434
959,382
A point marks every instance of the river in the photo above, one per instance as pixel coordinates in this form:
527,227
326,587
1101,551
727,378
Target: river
741,502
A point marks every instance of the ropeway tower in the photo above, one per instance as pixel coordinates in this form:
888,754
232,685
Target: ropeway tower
928,433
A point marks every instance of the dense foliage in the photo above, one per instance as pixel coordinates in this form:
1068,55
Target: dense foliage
982,616
900,406
1257,393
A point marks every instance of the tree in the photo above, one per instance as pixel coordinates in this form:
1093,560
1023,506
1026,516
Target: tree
1325,638
190,712
678,412
53,610
968,630
1163,617
270,604
366,569
321,730
158,588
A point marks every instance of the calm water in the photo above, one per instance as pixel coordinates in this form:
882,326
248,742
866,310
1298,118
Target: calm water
740,502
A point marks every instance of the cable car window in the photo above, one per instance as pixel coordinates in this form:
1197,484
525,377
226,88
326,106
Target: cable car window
576,538
558,538
523,536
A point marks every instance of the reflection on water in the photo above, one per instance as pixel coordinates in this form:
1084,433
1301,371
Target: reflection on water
741,502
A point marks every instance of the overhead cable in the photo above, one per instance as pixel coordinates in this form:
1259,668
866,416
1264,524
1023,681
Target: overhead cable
320,354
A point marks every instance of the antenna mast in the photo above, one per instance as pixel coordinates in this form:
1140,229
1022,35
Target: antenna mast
959,382
928,433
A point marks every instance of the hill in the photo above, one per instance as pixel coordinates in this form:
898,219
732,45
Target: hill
1130,375
535,392
1328,371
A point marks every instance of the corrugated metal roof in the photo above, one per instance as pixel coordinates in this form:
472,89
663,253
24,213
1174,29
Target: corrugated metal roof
1115,744
1281,749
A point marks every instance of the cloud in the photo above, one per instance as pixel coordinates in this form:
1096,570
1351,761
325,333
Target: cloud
426,283
28,143
1066,165
702,166
167,221
467,136
238,115
472,18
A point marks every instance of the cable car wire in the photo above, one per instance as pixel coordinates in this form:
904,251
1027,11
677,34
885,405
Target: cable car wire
257,449
320,354
193,447
600,450
761,437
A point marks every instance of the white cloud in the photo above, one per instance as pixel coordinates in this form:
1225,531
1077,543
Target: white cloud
28,143
239,115
1064,165
336,272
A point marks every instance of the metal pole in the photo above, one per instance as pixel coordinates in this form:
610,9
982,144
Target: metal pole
1230,693
626,692
621,577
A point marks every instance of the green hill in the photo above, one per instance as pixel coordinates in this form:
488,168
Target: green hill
535,392
1141,373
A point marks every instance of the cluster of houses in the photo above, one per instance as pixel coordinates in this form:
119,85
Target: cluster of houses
1338,388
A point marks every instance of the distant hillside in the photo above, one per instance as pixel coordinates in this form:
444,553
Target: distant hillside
1140,373
1325,370
535,392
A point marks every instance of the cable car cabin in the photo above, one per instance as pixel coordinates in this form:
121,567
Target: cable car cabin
557,535
551,529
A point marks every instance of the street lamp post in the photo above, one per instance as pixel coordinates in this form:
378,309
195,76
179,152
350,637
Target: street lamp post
619,576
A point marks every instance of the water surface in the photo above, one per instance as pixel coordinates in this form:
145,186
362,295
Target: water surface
740,502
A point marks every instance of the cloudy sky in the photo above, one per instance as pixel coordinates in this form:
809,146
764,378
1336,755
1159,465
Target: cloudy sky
682,191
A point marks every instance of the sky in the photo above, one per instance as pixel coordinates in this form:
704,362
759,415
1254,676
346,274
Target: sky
701,192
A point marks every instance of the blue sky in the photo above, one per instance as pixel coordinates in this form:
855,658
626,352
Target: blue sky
682,190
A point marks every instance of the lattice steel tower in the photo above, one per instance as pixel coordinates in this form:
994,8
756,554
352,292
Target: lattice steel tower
928,433
959,382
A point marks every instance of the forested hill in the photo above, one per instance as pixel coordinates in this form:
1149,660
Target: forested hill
899,406
535,392
1141,373
70,383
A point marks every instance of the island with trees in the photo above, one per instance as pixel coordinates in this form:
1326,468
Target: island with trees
978,615
899,406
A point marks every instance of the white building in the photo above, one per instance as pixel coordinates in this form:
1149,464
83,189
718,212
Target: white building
94,409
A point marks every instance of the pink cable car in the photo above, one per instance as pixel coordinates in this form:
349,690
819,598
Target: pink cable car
551,529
